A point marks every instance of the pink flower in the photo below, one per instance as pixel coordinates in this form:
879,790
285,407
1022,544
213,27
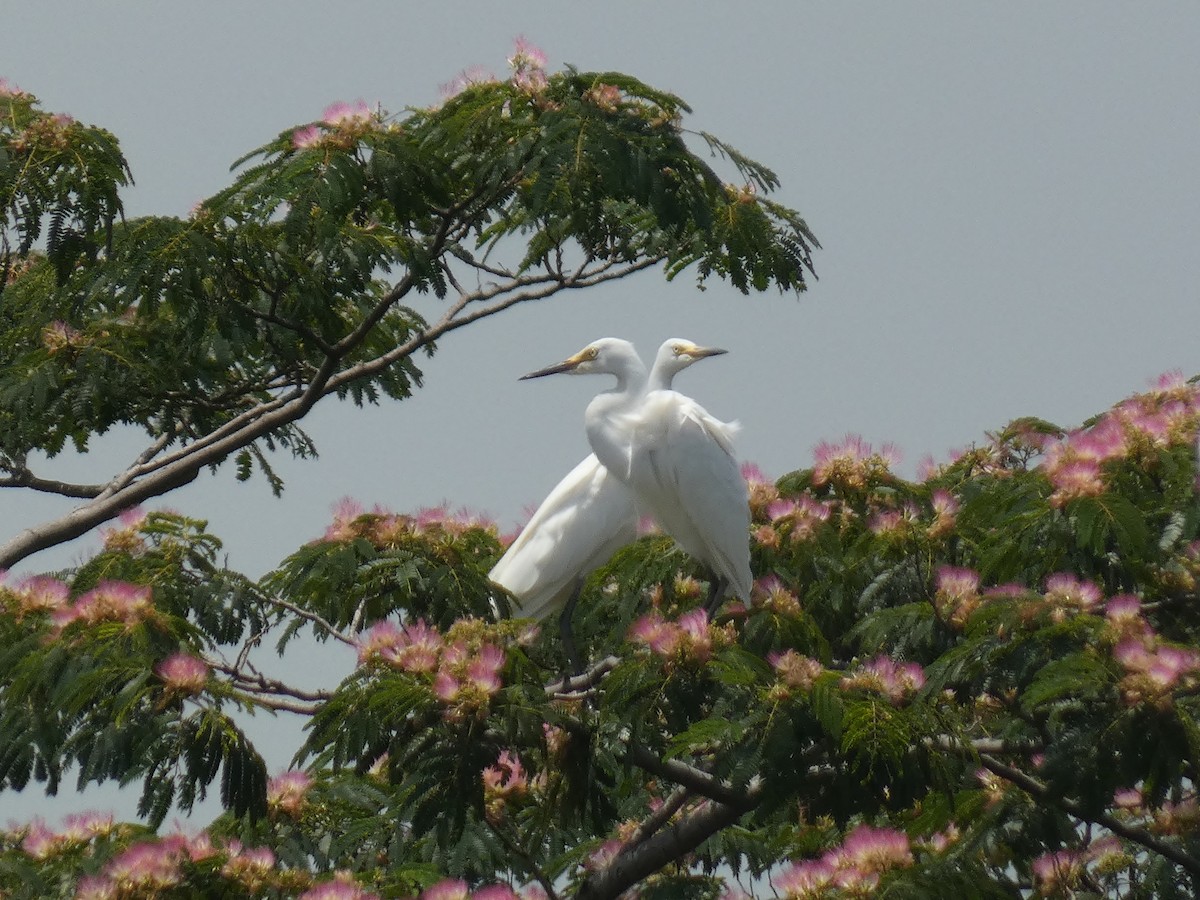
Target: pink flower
1060,869
346,114
109,601
81,827
183,673
383,640
495,892
1066,591
796,670
1128,798
957,594
40,842
882,675
528,64
771,594
810,878
467,78
484,669
659,635
896,522
286,792
605,96
306,137
448,889
40,594
526,54
342,887
875,849
95,887
413,648
851,463
446,687
603,855
502,783
11,90
345,513
149,865
248,866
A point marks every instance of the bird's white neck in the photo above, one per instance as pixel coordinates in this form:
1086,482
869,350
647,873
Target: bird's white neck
606,419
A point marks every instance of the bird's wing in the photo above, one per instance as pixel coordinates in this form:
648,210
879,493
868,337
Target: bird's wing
586,518
691,459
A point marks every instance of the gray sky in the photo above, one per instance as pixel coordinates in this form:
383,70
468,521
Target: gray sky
1007,197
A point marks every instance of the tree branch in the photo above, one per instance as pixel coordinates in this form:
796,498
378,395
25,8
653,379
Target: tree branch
696,780
660,817
314,618
571,688
23,478
152,479
635,863
1139,836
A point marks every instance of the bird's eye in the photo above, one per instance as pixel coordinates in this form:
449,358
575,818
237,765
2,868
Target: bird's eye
679,349
592,353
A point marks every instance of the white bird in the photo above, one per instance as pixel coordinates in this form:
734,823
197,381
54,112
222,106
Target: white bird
586,518
676,458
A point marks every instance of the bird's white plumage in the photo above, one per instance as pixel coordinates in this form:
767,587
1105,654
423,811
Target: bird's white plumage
684,473
591,514
587,518
678,461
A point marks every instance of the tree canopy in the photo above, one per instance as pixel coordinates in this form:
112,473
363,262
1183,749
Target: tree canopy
979,684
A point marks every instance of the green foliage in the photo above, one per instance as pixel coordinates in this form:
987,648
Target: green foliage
981,685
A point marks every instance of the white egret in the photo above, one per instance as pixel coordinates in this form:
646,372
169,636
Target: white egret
582,522
676,458
682,469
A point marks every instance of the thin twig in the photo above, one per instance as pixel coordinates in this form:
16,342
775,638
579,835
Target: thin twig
314,618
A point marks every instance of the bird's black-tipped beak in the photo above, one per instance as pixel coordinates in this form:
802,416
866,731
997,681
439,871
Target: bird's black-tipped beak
564,366
702,352
567,365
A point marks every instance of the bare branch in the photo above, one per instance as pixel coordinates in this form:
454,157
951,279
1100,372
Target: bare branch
1139,836
314,618
23,478
696,780
660,817
264,688
570,688
152,479
666,847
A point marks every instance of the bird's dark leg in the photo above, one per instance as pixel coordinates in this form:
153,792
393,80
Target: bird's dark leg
574,665
716,593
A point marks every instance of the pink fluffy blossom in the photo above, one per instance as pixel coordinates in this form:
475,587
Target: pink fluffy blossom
796,670
286,792
883,675
346,114
109,601
448,889
183,673
342,887
957,594
307,136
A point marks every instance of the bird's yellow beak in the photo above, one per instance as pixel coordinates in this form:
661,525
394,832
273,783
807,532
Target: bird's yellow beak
700,352
567,365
